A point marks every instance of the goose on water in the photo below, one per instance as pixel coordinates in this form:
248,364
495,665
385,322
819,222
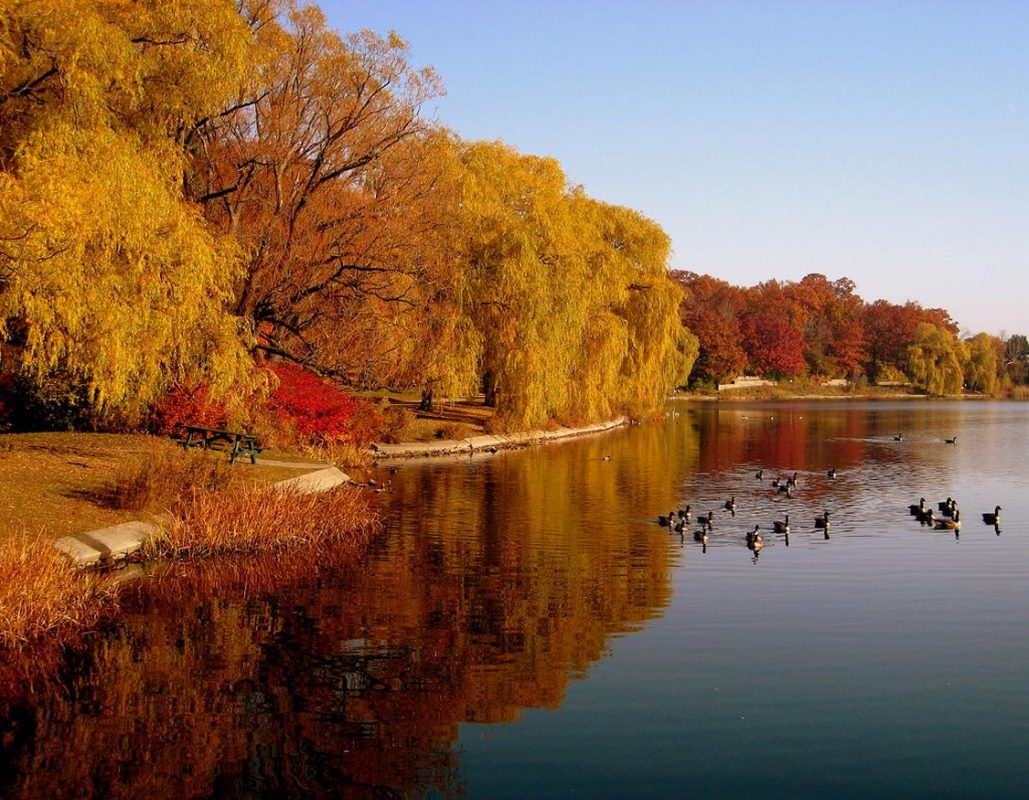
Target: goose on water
951,441
994,518
730,505
899,437
754,538
832,474
919,509
950,524
782,526
822,521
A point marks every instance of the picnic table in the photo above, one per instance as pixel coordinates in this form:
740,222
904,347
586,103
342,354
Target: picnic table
217,439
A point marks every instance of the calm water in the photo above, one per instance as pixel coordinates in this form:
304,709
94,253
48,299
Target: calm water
524,628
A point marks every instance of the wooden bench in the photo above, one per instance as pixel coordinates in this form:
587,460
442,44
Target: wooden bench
216,439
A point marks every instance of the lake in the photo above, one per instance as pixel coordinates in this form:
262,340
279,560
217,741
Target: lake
524,628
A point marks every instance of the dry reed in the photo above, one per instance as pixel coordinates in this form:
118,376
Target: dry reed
252,519
44,595
46,605
155,483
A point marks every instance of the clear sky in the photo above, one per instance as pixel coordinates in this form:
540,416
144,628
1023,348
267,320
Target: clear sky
883,141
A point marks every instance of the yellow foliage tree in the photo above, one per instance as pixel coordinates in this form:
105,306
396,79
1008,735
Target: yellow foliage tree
110,283
981,367
936,359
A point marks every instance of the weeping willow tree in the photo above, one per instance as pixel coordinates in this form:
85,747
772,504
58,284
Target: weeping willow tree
936,359
111,285
577,317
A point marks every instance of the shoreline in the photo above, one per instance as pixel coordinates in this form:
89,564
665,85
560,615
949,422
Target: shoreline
910,396
487,443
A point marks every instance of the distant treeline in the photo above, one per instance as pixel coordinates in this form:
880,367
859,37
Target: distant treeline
190,189
824,329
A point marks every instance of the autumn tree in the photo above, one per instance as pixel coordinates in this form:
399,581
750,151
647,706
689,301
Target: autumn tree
981,367
936,359
326,173
710,309
111,285
774,346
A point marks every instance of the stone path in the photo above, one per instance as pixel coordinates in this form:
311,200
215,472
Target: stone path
480,444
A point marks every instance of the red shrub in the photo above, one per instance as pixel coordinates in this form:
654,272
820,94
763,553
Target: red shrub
186,405
319,411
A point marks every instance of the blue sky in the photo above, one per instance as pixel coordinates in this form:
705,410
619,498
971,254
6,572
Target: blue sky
884,141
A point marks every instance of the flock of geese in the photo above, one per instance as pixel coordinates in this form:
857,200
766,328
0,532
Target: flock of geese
679,521
946,517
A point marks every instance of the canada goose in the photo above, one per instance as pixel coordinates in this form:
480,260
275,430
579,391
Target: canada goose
789,491
951,524
730,505
951,441
685,514
664,521
782,526
702,535
994,518
606,458
822,521
760,474
947,506
832,474
919,509
927,517
754,537
899,437
679,526
710,519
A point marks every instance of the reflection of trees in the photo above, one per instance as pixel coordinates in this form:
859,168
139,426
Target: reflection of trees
298,677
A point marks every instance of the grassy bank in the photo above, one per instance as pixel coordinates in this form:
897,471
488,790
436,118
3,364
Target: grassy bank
62,483
47,604
65,483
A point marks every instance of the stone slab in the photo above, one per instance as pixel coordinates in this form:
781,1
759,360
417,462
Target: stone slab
106,544
320,481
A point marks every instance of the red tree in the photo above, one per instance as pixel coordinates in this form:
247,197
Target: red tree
774,346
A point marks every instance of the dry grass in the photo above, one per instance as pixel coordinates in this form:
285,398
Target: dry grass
155,483
46,605
1020,393
56,484
341,455
253,519
42,594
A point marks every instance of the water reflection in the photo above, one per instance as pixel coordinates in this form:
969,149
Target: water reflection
500,580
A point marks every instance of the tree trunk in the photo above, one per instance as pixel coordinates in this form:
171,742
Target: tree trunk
427,399
489,388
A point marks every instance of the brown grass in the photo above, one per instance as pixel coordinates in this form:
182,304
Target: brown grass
155,483
252,519
42,594
46,605
1020,393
